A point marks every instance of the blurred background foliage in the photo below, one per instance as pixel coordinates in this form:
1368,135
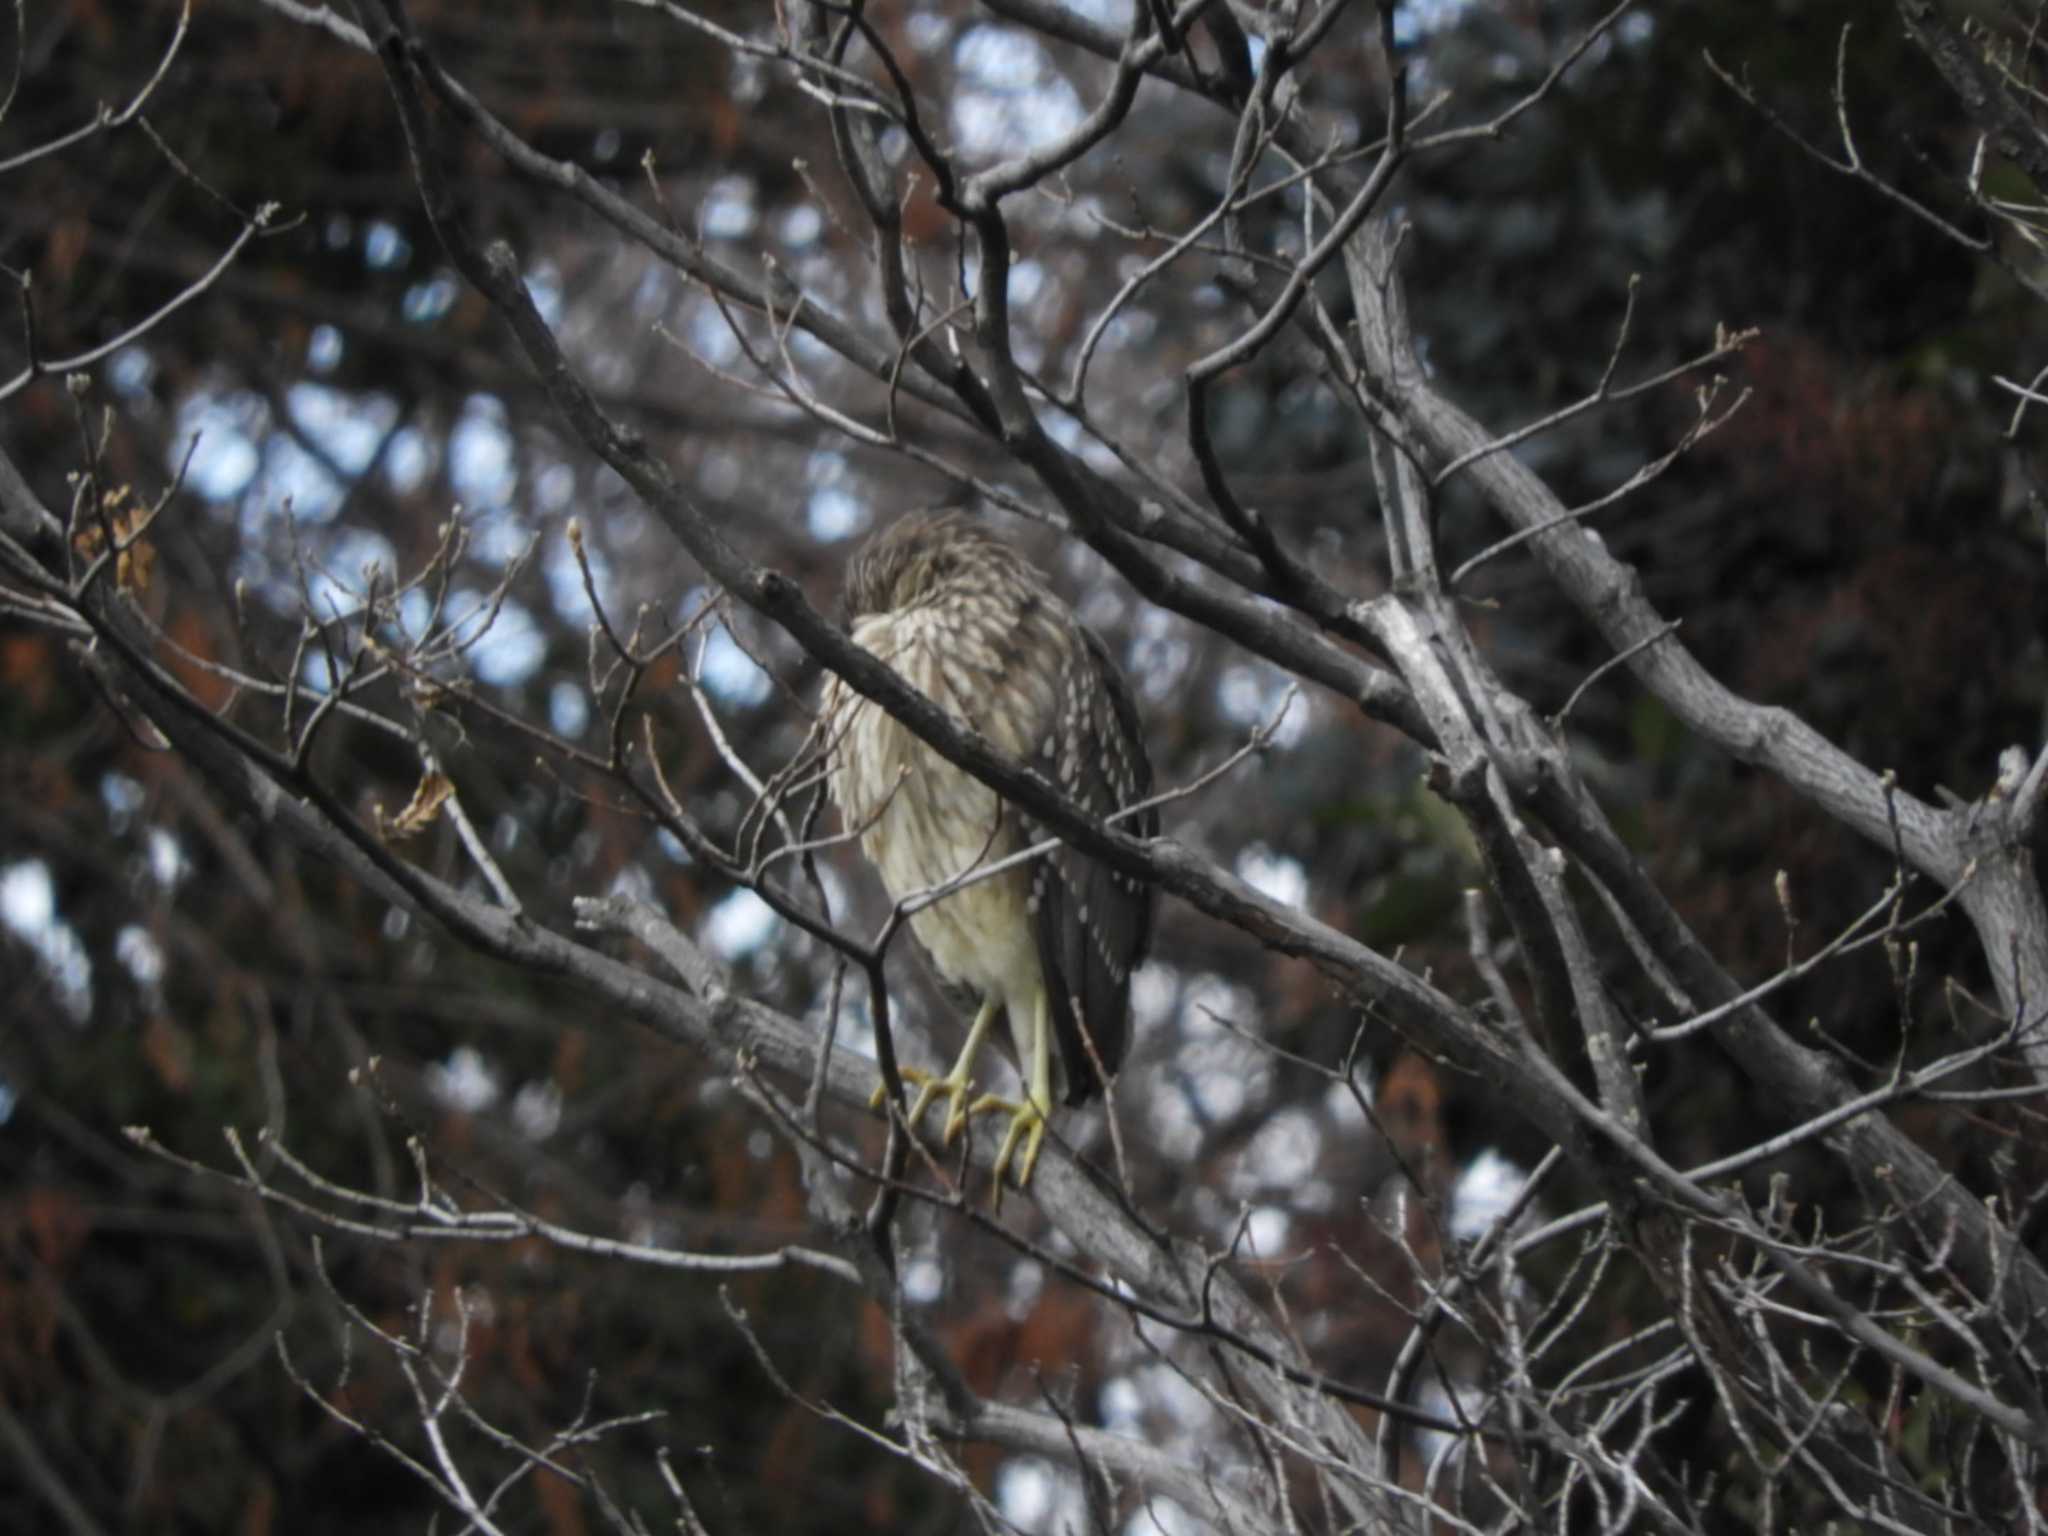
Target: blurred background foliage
1858,544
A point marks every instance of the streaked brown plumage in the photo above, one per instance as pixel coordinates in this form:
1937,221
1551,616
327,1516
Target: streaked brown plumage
1052,944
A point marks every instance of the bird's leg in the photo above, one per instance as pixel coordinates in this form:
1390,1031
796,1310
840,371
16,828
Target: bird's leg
1028,1119
954,1086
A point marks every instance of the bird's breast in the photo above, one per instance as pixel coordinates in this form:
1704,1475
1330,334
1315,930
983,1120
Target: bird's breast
925,823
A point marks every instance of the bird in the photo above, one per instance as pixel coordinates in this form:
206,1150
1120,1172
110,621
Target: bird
1050,943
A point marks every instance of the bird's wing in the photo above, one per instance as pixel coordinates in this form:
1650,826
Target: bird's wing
1091,923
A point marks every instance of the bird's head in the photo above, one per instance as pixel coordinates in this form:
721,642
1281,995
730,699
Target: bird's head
926,556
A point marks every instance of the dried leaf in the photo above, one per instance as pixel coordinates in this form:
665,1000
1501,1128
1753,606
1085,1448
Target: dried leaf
419,813
135,560
134,566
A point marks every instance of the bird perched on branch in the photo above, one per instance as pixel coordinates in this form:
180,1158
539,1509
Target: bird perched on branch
1049,943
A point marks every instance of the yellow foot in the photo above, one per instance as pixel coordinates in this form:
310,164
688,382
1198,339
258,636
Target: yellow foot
954,1088
1027,1124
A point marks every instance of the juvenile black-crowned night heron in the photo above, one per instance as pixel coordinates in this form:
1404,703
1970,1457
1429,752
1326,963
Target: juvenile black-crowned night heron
1051,943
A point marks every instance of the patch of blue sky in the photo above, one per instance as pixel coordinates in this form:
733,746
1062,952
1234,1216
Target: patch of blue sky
1035,1495
1072,436
537,1110
324,349
1418,18
1027,281
1157,1388
408,461
565,582
141,955
554,488
739,925
806,348
1161,1516
427,302
1272,874
720,474
1455,1400
1266,1231
1022,1287
826,466
481,464
385,247
924,1279
122,797
1282,1154
465,1081
1160,655
1341,1100
729,674
258,579
802,225
28,898
226,456
1122,1406
1205,1086
129,372
856,1024
1253,695
706,333
511,650
498,538
746,79
1486,1188
168,865
544,285
415,607
832,514
1155,995
292,480
1011,98
728,211
1210,1066
1130,326
568,709
340,578
997,58
316,675
28,908
346,427
1062,428
631,882
652,292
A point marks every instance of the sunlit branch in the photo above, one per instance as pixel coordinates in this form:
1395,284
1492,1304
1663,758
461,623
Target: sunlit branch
1704,425
41,367
435,1218
107,118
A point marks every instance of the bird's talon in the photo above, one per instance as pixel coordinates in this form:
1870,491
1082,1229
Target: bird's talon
956,1118
954,1087
909,1075
1027,1124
